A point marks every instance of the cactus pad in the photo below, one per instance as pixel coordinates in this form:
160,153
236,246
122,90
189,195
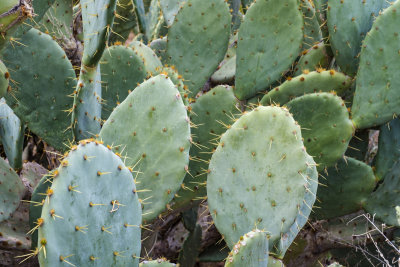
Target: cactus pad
212,113
121,71
246,177
169,9
383,202
45,78
269,41
97,18
388,148
199,24
91,214
313,82
12,134
251,250
326,127
86,116
347,186
11,190
312,59
152,128
348,24
377,97
150,59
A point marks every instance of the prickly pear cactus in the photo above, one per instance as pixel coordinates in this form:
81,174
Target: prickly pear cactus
91,214
376,99
195,63
97,17
152,129
348,24
313,58
246,177
250,250
326,126
279,22
121,71
213,112
347,186
44,79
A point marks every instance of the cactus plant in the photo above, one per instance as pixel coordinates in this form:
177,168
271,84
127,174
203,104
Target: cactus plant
175,89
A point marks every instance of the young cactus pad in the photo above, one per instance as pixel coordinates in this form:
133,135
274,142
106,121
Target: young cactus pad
152,128
251,250
11,190
44,78
262,175
196,64
270,39
91,214
325,126
377,97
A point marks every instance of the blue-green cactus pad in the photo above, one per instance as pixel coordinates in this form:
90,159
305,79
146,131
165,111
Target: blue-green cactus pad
198,40
92,215
251,250
260,164
152,128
